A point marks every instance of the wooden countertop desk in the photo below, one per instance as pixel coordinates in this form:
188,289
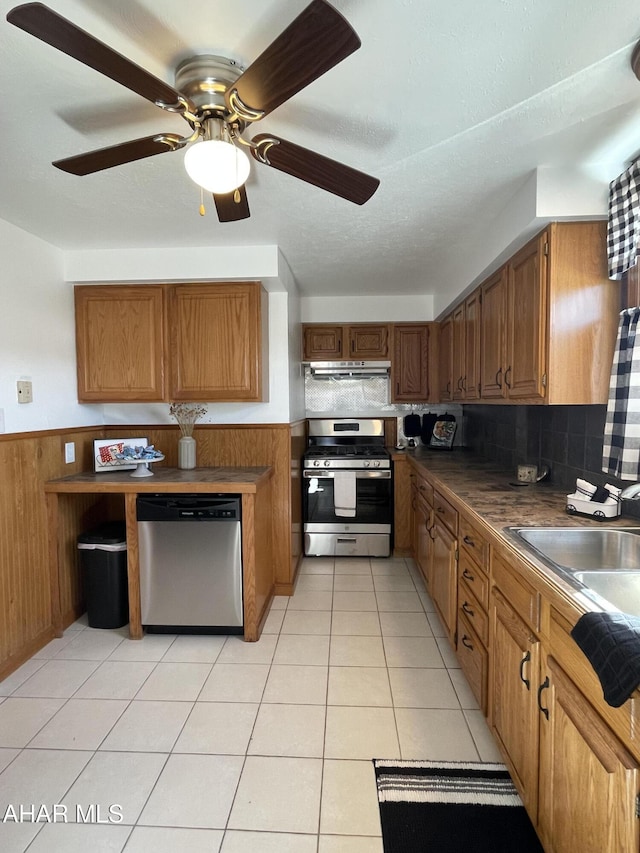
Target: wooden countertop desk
253,484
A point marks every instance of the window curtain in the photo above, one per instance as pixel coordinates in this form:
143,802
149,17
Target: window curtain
621,448
623,232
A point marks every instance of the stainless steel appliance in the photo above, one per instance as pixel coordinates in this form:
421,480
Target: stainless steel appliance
347,489
190,563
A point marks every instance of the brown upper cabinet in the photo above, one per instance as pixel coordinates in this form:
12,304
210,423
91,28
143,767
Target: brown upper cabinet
120,343
412,362
326,342
460,351
215,334
445,363
205,342
542,329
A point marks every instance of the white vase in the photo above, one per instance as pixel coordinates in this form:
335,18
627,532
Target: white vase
187,452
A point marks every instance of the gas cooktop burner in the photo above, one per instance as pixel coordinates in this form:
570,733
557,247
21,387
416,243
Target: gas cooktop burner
342,451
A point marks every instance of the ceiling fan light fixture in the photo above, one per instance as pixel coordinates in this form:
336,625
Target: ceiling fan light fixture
217,166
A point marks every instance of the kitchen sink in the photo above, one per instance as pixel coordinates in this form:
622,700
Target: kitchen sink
602,563
585,549
622,589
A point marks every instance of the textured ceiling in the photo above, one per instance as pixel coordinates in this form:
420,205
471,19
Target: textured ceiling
451,105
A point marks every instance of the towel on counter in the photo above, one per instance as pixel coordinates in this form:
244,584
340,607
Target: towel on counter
344,494
611,642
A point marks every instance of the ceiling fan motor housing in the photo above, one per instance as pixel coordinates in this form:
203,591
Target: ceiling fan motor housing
204,79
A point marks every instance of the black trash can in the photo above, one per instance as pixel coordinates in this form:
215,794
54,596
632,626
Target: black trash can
103,564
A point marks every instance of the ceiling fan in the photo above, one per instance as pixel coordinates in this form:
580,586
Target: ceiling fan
219,99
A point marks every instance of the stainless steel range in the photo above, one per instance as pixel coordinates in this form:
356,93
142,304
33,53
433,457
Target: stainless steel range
347,489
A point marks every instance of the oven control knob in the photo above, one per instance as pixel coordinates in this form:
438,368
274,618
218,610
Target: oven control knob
366,463
376,464
326,463
316,463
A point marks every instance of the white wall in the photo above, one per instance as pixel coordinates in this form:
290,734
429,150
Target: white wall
37,336
367,309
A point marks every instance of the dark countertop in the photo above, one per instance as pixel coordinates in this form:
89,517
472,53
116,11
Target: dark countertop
487,490
232,480
484,489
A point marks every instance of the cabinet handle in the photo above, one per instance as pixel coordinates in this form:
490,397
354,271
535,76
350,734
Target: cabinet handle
542,687
469,541
499,377
449,387
397,388
506,373
466,642
340,347
466,574
464,383
525,660
440,509
468,609
460,388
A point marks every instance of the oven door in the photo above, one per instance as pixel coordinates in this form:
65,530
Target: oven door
374,500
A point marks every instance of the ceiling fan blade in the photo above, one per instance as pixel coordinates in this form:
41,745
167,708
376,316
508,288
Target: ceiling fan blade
116,155
314,168
319,38
230,210
45,24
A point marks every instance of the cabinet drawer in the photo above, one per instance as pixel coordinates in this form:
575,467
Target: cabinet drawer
473,661
474,613
445,512
522,597
425,489
476,580
474,542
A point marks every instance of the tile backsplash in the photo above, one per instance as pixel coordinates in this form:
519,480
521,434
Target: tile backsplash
566,438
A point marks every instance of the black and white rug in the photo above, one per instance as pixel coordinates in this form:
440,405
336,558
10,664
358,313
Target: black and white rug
451,807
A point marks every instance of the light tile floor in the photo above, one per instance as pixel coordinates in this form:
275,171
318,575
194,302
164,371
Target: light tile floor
213,744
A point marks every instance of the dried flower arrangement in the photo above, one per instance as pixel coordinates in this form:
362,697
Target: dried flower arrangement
187,414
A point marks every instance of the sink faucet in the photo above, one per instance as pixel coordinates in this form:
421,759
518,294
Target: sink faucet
631,493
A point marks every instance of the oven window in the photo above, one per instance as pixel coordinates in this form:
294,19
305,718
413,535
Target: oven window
373,501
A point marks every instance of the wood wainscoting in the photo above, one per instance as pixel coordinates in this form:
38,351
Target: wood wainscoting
27,460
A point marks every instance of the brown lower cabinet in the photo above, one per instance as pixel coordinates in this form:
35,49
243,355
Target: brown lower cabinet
574,759
577,780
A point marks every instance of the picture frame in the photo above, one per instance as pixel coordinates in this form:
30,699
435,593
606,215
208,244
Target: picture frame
443,434
105,450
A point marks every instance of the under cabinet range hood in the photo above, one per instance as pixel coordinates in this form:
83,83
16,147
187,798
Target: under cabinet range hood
339,370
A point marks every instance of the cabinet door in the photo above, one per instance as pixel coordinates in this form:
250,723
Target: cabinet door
444,577
525,373
410,365
216,341
445,354
471,383
458,357
424,522
120,342
514,666
492,336
368,341
322,343
588,781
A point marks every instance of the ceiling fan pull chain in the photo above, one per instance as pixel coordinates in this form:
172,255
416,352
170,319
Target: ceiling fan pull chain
202,207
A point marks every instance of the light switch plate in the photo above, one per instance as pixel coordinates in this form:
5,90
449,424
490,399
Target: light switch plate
69,452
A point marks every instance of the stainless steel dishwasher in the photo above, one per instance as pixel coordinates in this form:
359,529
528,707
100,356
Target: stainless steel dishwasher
190,549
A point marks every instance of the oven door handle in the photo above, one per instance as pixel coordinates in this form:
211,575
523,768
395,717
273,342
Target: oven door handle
366,473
